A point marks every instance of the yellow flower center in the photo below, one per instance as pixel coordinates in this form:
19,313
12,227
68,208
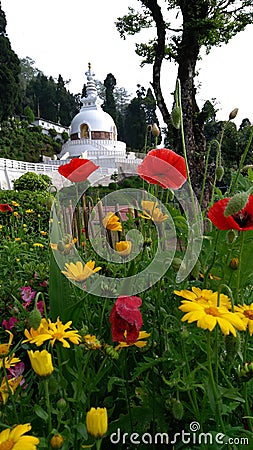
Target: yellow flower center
7,445
212,311
248,314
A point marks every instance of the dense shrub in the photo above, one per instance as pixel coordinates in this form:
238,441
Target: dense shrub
31,181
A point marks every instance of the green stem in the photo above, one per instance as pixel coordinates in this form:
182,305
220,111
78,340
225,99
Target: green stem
234,182
213,385
98,444
48,405
238,279
205,173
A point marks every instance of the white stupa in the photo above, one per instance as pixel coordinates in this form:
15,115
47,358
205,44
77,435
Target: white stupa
93,134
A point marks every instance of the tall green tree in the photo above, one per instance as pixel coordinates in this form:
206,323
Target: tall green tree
140,113
9,73
109,104
203,23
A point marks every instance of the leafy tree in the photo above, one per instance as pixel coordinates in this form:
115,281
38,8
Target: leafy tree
22,142
139,114
109,104
29,115
204,23
9,73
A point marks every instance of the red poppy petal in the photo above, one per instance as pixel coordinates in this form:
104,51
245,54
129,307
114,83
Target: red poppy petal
164,167
5,207
78,169
216,215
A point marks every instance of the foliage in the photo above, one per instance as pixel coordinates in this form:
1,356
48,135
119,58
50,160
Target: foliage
22,142
9,73
31,181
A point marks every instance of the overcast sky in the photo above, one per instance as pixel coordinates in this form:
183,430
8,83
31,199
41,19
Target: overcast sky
62,36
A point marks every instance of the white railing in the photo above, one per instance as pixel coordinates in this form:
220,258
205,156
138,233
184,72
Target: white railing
27,166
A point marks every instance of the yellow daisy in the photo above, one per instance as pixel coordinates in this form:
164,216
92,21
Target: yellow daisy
112,222
79,272
245,312
7,389
15,439
156,215
91,342
9,361
5,348
49,331
205,296
139,342
148,206
208,316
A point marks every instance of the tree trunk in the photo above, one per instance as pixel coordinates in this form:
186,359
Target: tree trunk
193,126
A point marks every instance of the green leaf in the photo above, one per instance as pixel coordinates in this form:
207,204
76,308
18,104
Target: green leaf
40,412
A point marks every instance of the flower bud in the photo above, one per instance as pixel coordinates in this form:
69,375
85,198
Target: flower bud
219,172
177,409
176,117
111,352
61,404
233,114
236,203
176,264
234,263
155,130
34,319
231,236
56,441
97,422
245,372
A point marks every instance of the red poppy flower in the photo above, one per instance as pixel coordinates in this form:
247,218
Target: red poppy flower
77,169
164,167
126,319
242,220
4,207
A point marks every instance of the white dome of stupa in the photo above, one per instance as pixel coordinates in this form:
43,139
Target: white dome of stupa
92,122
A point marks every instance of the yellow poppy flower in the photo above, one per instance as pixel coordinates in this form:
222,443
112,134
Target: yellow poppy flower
29,211
15,439
139,342
112,222
38,244
43,233
5,348
79,272
14,203
205,296
124,247
7,389
97,422
41,362
208,316
53,332
245,312
16,214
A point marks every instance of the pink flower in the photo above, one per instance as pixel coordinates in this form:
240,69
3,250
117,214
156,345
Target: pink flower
16,371
9,324
27,294
40,307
